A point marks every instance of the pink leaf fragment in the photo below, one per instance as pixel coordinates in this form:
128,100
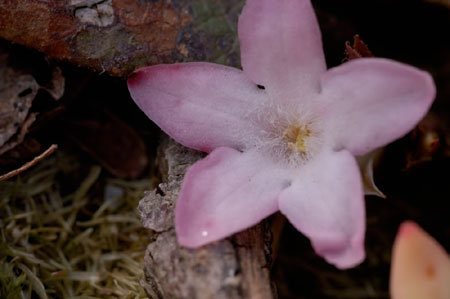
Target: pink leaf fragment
420,266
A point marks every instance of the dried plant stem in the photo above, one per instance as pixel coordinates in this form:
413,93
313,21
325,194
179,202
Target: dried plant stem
27,165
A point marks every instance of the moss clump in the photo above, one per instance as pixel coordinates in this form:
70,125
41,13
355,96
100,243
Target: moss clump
68,232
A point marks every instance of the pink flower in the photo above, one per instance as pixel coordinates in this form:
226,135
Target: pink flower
420,266
290,146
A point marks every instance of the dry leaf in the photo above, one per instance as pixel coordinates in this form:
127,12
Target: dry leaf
367,163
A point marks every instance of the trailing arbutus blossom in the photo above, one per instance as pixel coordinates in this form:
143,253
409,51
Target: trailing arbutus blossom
288,147
420,266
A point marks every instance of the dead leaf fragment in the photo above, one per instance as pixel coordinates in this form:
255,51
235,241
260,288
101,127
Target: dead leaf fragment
427,141
367,163
17,91
110,141
19,138
56,85
358,50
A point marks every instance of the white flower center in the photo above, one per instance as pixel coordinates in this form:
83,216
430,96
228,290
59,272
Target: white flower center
290,136
297,138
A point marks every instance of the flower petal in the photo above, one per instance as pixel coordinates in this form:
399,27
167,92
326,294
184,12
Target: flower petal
326,204
201,105
224,193
374,101
420,266
281,47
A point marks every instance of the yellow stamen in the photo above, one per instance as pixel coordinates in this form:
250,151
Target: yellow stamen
296,136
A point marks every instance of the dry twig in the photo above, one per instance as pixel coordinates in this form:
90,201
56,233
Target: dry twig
27,165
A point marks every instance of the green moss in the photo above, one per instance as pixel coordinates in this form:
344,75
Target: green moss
215,22
11,284
137,62
79,242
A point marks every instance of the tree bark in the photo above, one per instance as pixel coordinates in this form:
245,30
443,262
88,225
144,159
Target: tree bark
237,267
118,36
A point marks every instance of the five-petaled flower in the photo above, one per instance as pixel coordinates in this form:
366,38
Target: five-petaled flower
290,146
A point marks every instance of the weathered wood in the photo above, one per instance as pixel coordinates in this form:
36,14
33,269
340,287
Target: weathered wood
119,36
237,267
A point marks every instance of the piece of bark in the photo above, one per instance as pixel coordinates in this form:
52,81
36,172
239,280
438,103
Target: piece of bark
237,267
119,36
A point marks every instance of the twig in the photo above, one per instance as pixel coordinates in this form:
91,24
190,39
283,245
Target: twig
27,165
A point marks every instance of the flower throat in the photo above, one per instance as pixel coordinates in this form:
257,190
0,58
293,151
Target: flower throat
296,136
